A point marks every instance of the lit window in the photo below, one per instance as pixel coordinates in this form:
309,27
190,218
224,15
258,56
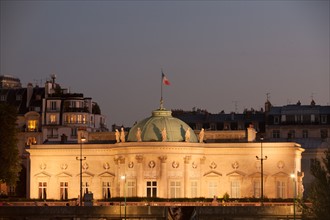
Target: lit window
213,186
175,189
52,119
256,188
194,189
235,189
85,187
280,189
31,140
151,189
131,188
106,190
63,190
32,125
42,190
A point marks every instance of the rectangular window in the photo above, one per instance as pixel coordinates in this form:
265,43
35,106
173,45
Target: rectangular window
193,189
256,188
175,189
74,132
3,98
305,133
106,190
85,187
52,119
280,189
324,133
52,133
312,118
131,188
213,186
235,189
323,119
276,134
42,190
64,190
53,105
32,125
276,120
291,134
151,188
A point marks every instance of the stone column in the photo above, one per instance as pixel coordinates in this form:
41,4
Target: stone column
162,188
186,176
139,176
202,192
118,173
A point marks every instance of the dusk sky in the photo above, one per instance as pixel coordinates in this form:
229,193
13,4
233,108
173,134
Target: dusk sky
218,55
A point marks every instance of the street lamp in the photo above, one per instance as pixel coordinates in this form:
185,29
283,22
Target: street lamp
82,139
294,194
262,158
124,178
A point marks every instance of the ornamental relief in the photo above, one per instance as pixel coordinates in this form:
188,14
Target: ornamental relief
85,166
131,164
175,164
213,165
43,166
151,164
194,165
235,165
106,166
64,166
280,164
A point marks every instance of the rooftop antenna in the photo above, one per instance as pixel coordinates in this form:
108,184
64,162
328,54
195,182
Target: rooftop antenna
235,105
268,96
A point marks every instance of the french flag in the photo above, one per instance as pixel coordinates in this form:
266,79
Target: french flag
165,80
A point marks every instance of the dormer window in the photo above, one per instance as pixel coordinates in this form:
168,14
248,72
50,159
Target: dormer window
32,125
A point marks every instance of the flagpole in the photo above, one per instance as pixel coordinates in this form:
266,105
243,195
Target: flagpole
161,90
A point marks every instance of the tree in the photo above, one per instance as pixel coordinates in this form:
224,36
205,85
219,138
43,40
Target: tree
320,188
10,164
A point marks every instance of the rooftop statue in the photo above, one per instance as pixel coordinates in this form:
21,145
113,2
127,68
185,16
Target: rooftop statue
122,135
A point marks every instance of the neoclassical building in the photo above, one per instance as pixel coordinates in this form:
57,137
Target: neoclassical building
163,157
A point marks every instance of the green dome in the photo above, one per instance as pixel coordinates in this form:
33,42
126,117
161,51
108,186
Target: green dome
151,128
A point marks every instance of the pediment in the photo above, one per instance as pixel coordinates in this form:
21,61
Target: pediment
86,174
42,174
212,174
236,173
257,175
107,174
280,174
64,174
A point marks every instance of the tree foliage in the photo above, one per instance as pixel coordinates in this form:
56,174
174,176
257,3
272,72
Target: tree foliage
320,188
10,165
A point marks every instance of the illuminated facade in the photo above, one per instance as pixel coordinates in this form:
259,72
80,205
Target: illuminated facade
167,165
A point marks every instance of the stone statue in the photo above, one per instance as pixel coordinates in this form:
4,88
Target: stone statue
164,135
122,135
187,136
138,134
117,136
201,136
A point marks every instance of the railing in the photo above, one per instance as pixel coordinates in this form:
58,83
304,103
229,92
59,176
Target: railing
163,204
